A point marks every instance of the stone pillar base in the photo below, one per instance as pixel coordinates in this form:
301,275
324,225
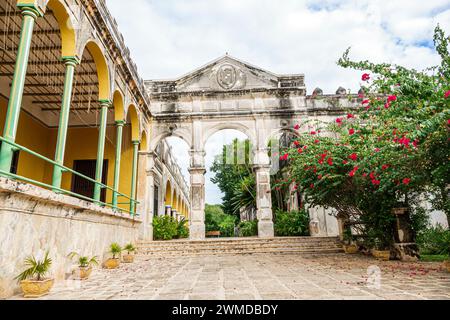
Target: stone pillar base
406,251
197,231
265,229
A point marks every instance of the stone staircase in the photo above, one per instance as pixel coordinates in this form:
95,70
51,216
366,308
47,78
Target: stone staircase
234,246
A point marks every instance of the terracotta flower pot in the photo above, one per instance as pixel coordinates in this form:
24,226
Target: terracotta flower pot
350,248
128,258
36,289
447,265
382,254
111,263
82,273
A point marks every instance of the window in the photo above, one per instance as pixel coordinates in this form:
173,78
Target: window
84,187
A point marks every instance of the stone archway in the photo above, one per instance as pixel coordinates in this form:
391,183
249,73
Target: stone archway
230,94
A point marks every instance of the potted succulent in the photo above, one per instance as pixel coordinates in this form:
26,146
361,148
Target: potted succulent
129,257
33,282
349,246
115,249
84,265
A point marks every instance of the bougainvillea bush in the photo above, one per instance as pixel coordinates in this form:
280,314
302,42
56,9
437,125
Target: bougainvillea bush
392,150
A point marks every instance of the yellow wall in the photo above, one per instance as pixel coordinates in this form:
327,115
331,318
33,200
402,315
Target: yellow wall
34,136
81,145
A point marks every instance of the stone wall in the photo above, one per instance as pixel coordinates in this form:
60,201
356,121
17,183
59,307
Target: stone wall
34,220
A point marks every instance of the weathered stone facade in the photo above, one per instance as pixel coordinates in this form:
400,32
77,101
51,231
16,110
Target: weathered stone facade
34,220
230,94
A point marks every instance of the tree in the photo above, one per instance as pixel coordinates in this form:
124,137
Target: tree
235,177
394,147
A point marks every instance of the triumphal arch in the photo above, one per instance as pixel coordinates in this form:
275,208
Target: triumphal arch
228,93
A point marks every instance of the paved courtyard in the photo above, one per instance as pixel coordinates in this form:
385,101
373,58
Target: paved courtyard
335,276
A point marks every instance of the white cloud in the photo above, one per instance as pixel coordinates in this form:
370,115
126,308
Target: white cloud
168,38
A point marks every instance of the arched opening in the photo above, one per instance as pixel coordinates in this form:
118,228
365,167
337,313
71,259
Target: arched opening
168,197
230,189
172,158
119,112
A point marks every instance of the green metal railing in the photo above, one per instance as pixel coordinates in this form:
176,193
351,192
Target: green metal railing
15,146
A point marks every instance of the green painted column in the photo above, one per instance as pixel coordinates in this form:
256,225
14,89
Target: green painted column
134,176
119,135
70,63
30,14
101,148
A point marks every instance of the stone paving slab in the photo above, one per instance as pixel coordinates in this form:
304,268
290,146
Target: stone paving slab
261,277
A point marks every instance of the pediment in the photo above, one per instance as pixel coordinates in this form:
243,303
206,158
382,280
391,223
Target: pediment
226,74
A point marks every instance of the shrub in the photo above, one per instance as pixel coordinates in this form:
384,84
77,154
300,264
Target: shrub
294,223
182,229
226,227
115,249
83,261
434,241
248,228
164,228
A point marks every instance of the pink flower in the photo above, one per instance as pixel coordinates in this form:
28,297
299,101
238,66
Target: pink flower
299,150
376,182
447,94
316,141
284,157
366,101
345,162
297,126
365,77
313,132
330,161
339,121
312,186
385,166
406,181
352,173
296,143
351,131
353,156
387,105
349,116
377,149
392,98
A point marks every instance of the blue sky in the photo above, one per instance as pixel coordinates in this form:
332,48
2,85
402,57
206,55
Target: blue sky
168,38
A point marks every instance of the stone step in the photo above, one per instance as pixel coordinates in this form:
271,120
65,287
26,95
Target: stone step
243,246
243,252
245,240
239,246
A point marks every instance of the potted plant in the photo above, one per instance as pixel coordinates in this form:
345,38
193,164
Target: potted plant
114,249
381,249
84,266
349,246
129,257
33,282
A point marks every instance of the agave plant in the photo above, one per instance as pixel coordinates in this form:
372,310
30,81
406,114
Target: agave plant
129,248
84,261
37,269
115,249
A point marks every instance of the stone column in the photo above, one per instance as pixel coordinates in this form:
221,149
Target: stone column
197,194
134,169
119,135
168,210
70,63
30,14
105,104
145,191
263,194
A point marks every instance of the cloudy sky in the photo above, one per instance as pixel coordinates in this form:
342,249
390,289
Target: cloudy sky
169,38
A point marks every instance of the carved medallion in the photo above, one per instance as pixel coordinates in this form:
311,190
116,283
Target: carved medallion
230,77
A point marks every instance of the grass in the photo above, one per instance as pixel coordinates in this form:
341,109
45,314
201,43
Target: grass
433,257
